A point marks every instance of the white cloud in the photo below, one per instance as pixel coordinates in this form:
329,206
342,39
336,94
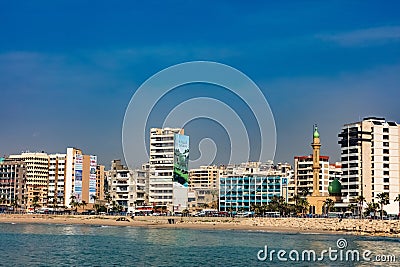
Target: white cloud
369,36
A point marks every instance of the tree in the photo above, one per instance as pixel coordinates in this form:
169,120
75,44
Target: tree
360,201
329,203
35,203
256,208
14,203
185,212
303,205
74,203
25,202
83,204
372,207
108,198
296,199
305,191
383,200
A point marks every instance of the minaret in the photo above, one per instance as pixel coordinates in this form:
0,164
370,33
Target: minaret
316,145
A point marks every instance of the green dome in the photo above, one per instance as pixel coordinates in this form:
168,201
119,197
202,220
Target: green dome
335,187
316,133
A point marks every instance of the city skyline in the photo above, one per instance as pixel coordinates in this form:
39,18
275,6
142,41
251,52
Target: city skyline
69,70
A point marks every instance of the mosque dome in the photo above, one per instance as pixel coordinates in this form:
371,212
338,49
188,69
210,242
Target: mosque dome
335,188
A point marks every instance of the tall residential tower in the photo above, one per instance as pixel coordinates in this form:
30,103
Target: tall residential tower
169,158
370,160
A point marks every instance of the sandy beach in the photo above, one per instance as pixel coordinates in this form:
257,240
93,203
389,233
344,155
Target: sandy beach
288,225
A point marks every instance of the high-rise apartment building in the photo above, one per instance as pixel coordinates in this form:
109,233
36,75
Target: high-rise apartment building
37,173
169,158
13,183
80,177
56,181
100,179
127,188
370,151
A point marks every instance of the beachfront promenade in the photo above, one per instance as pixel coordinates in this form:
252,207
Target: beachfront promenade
296,225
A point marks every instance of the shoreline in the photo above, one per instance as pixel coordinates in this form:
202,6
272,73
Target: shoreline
358,227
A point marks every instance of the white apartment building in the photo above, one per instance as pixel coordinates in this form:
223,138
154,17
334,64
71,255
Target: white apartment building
168,181
303,175
370,160
56,182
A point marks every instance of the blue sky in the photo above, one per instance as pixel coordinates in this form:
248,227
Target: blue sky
69,68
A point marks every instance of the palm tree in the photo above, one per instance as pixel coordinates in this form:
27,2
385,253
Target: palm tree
303,205
35,203
108,198
296,199
185,212
360,201
83,204
14,203
25,202
256,208
372,207
94,197
383,200
305,192
74,203
329,203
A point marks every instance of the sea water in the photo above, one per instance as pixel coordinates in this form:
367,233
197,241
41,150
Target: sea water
84,245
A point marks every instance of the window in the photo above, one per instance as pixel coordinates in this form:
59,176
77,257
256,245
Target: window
386,187
386,180
386,151
386,144
385,158
385,165
385,130
386,137
385,172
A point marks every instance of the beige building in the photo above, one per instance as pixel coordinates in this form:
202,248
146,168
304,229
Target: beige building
100,179
37,173
80,177
371,160
204,177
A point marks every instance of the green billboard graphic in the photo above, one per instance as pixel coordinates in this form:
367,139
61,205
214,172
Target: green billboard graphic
181,159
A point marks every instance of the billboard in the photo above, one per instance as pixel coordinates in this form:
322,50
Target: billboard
181,159
92,178
78,178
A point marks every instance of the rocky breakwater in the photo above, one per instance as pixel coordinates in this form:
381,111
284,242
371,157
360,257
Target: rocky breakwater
354,226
